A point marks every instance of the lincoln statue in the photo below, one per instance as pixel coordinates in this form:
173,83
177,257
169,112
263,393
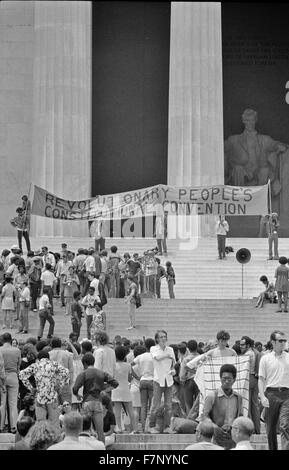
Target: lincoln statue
252,158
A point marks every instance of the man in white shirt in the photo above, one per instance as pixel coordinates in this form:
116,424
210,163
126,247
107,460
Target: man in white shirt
145,364
164,361
62,270
89,266
79,267
24,303
274,390
221,230
104,355
47,258
48,280
93,282
242,430
45,315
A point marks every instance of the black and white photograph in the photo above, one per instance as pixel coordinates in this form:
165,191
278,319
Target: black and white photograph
144,228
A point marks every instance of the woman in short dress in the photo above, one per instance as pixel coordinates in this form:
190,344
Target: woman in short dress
121,395
8,303
282,283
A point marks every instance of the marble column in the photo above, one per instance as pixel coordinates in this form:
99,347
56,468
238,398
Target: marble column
195,145
62,107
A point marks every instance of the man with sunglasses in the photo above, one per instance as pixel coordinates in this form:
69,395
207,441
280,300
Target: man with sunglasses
274,390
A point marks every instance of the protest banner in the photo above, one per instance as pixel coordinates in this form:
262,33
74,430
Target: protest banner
186,200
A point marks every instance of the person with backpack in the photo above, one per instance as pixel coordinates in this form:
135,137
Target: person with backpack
34,275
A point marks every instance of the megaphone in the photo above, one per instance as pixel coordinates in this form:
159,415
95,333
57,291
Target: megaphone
243,255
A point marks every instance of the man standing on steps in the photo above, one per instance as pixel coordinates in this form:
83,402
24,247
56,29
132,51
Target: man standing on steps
274,390
272,224
164,361
221,230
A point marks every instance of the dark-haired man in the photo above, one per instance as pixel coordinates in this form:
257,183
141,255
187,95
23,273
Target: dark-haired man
224,405
222,346
274,390
20,222
92,380
49,376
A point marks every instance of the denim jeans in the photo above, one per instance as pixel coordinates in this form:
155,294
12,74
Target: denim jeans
278,408
171,284
35,292
9,395
95,410
76,327
190,393
146,395
48,411
254,410
23,317
43,317
50,296
158,391
273,240
131,313
114,284
221,245
88,323
162,245
25,235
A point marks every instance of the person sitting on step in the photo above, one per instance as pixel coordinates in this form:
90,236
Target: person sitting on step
268,294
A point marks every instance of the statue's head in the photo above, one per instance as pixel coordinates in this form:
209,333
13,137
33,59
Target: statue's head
249,118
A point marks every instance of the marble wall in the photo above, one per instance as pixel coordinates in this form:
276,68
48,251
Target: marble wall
195,142
16,106
45,101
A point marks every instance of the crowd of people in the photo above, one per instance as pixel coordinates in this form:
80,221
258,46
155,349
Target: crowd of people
82,281
65,394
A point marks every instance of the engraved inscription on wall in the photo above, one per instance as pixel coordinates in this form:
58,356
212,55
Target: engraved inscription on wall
254,50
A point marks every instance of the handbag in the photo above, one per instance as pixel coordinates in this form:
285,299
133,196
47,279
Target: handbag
138,300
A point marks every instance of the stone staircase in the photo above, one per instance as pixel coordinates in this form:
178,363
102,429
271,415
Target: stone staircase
208,291
159,442
151,441
6,441
199,272
183,319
